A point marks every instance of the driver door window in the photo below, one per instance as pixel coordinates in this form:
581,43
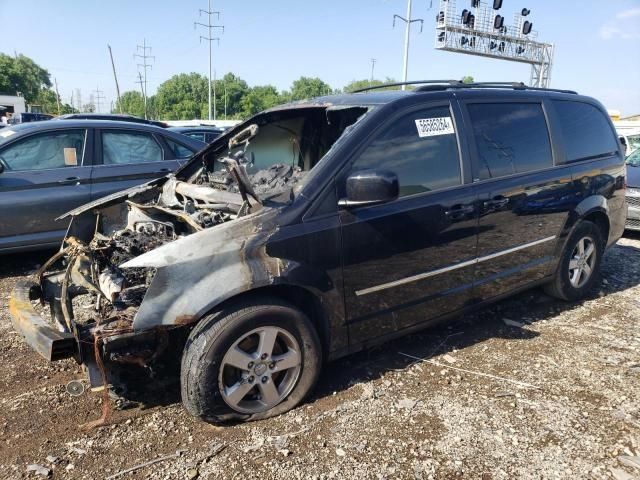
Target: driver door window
420,148
45,151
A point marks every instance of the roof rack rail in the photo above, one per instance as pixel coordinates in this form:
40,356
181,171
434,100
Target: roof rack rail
437,85
414,82
510,85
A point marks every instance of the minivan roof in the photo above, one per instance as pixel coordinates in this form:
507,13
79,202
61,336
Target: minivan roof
382,97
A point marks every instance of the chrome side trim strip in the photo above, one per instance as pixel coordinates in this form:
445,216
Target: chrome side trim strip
433,273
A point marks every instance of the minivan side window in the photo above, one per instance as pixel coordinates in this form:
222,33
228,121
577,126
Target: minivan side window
586,132
510,137
122,148
421,148
57,149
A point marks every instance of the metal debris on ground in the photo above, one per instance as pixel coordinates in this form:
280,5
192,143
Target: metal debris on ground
145,464
39,470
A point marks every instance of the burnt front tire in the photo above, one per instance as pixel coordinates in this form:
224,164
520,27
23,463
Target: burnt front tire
579,267
250,361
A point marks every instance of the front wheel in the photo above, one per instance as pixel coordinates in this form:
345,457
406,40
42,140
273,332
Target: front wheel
254,361
579,267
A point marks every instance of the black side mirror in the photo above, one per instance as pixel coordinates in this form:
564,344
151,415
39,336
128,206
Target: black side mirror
370,187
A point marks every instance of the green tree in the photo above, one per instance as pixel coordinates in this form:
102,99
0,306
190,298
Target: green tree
236,89
467,79
48,99
23,75
131,102
260,98
183,96
307,87
359,84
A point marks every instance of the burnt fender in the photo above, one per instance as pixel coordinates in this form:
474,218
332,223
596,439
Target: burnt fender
197,272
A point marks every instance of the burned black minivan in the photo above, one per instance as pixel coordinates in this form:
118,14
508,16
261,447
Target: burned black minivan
319,228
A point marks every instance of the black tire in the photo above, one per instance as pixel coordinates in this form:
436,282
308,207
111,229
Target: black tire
561,286
213,338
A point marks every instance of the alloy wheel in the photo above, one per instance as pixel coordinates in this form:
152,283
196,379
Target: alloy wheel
260,369
582,262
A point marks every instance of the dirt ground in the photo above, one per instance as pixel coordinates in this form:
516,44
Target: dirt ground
529,388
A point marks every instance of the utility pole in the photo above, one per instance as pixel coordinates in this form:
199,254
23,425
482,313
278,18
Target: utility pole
115,77
407,35
225,100
143,48
141,82
373,65
55,80
98,98
210,28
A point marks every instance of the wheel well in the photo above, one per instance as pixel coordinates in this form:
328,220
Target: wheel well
602,222
301,298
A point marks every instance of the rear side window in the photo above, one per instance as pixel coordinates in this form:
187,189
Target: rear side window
122,148
586,132
196,135
511,138
180,151
420,148
57,149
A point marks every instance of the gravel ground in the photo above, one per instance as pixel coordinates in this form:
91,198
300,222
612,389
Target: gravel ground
529,388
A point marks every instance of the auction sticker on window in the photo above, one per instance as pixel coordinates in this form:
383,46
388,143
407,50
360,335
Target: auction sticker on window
430,127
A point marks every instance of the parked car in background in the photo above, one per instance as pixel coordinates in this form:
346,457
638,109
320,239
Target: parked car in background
203,133
26,117
633,190
337,224
49,168
111,116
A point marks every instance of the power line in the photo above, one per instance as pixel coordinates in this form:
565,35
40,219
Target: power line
210,38
144,56
98,97
407,35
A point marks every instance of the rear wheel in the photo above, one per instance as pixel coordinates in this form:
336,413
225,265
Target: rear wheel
579,267
249,362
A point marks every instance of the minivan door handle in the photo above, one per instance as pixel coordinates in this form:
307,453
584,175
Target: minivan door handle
459,211
163,170
69,181
496,203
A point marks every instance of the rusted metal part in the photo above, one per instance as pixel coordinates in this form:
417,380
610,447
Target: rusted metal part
185,319
48,342
107,408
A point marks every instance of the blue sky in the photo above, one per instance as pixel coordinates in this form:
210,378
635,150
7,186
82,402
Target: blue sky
277,41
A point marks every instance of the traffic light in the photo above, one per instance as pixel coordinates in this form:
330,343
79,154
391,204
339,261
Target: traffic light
497,4
526,27
525,12
498,22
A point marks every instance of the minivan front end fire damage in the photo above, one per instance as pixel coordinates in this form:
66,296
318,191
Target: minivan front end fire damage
139,268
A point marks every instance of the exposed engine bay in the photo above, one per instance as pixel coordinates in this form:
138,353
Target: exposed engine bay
96,290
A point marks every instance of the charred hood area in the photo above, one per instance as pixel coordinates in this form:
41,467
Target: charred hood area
92,291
